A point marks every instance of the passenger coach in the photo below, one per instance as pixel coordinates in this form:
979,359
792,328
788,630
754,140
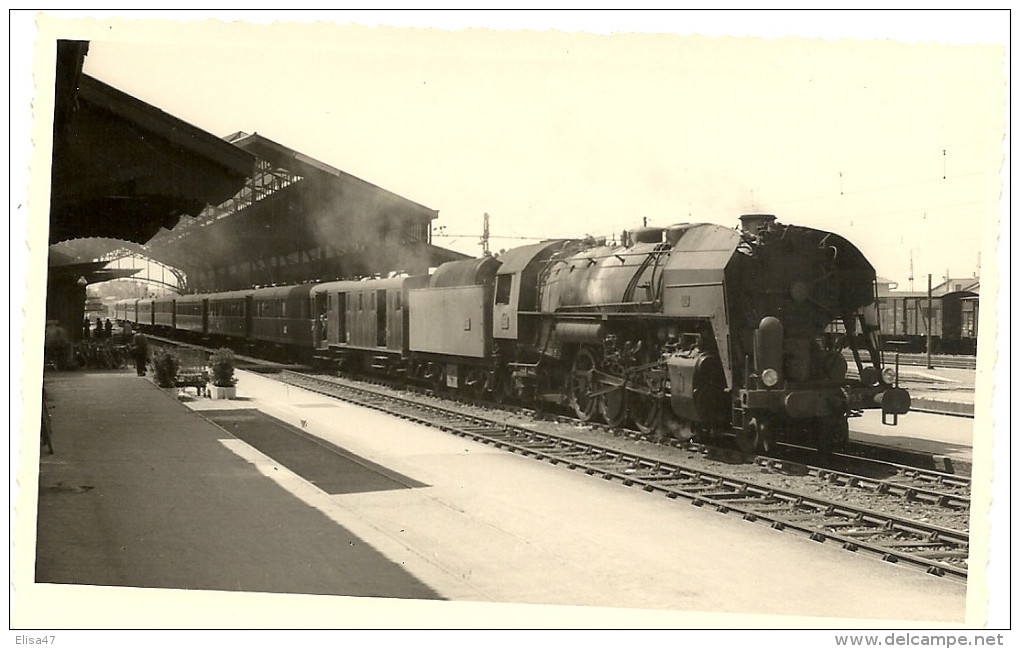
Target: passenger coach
363,324
228,315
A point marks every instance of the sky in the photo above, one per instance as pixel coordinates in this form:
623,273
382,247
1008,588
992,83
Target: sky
896,145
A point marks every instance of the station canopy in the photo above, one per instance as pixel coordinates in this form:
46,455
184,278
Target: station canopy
298,220
123,169
233,212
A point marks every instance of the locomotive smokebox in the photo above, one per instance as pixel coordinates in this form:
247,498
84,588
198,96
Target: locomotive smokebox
754,222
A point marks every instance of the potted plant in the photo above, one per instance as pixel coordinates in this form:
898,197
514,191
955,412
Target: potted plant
166,365
224,383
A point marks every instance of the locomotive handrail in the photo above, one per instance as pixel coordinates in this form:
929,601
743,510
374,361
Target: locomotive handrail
587,313
650,259
646,253
694,284
602,305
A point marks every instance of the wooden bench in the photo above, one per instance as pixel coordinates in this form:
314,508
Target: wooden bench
197,380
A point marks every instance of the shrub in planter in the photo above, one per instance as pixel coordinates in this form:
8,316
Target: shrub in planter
222,365
166,365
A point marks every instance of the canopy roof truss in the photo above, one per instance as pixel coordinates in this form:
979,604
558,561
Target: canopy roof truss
298,220
266,181
116,258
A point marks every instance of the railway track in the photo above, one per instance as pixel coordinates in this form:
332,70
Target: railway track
865,471
907,483
808,510
255,364
921,360
946,362
890,460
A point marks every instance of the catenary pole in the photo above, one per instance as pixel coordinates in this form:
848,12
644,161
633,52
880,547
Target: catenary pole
929,323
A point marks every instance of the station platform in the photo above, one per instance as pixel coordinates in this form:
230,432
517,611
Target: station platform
141,492
944,443
197,523
940,391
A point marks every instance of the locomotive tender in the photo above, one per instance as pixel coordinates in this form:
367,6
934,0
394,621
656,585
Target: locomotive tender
695,330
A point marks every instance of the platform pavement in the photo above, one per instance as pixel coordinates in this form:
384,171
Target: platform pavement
946,439
127,501
538,533
140,492
941,420
947,391
954,402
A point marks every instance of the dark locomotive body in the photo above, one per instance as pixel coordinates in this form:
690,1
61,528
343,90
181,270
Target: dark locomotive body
704,330
691,330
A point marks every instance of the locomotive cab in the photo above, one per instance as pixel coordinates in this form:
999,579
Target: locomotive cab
516,295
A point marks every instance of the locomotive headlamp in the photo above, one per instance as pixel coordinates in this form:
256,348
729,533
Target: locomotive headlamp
888,375
770,377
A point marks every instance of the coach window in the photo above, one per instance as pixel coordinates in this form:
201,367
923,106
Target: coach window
503,288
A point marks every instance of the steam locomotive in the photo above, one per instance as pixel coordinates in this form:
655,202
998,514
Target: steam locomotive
695,330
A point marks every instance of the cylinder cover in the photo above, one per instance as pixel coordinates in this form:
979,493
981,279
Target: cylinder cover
697,386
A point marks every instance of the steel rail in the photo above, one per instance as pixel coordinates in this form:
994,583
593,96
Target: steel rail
886,486
893,538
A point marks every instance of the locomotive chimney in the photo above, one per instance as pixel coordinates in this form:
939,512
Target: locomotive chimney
752,223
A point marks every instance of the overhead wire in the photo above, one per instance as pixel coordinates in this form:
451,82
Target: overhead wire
958,208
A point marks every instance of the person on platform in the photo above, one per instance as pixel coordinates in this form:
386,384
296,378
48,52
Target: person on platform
140,350
86,328
99,328
108,329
